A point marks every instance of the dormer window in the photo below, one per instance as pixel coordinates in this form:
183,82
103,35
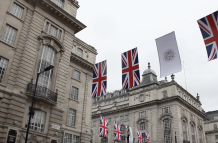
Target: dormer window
165,94
59,3
53,30
165,110
79,52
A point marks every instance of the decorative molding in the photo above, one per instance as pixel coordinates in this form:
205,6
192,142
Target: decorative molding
166,116
141,120
184,118
192,123
81,61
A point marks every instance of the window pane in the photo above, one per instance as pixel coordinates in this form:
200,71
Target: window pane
167,137
53,31
104,140
37,122
59,35
76,75
46,26
184,130
121,118
59,3
46,59
68,138
126,117
144,138
75,139
193,133
3,66
16,10
9,35
79,52
74,93
71,117
165,93
142,126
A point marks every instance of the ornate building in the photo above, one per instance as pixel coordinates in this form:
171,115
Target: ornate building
164,109
210,125
33,35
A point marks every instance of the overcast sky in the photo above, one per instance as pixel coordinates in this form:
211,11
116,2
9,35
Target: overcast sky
116,26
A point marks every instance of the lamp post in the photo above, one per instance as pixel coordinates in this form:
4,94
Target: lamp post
31,111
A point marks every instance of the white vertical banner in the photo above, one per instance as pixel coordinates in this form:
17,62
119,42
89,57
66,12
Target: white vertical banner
168,52
130,135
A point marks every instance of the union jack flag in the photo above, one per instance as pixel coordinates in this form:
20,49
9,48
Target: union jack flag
99,82
130,69
140,139
117,132
103,127
209,30
147,137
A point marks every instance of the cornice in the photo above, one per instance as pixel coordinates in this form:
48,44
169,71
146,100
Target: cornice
89,47
153,102
212,121
59,14
211,131
81,60
75,3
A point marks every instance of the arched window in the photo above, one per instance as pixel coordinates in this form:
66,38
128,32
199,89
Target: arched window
200,135
184,131
142,126
215,126
123,133
79,52
167,130
46,59
193,134
104,140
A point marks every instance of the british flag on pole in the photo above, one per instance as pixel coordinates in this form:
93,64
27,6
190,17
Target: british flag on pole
103,127
147,137
140,139
117,132
130,69
99,82
209,30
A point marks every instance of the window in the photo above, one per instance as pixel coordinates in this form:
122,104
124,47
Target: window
142,126
37,122
215,126
71,117
123,133
59,3
216,137
46,59
46,27
126,117
117,119
164,93
76,75
53,31
121,118
184,130
166,110
9,35
67,138
94,123
104,140
75,139
79,52
3,66
62,137
200,136
74,93
144,138
16,10
167,126
193,134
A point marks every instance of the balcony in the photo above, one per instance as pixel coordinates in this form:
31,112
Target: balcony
42,93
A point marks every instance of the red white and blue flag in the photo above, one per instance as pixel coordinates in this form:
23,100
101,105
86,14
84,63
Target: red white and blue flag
130,69
103,127
117,132
147,137
99,82
209,30
140,139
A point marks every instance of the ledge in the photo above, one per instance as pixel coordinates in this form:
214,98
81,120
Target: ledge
42,99
13,48
59,13
81,60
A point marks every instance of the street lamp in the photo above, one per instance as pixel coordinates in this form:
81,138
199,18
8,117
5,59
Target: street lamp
31,111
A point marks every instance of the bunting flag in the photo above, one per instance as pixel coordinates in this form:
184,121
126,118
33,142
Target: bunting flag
140,139
99,82
147,137
117,132
103,127
130,69
209,30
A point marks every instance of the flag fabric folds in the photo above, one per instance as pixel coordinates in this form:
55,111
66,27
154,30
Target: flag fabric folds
209,30
130,69
131,135
117,132
147,137
140,139
103,127
99,82
168,52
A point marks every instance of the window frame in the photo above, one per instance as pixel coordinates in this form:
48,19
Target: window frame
167,128
168,109
165,94
74,124
74,95
47,26
15,36
21,7
77,52
66,138
5,69
75,70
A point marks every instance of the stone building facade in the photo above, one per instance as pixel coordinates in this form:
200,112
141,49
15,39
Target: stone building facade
210,125
33,35
164,109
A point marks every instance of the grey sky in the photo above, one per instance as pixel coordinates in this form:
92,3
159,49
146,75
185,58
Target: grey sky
115,26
